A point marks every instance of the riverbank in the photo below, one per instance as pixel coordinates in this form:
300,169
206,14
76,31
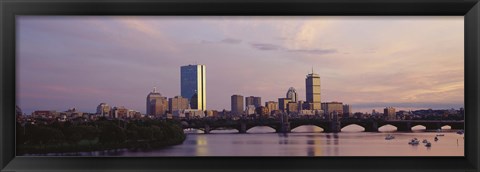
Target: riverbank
102,135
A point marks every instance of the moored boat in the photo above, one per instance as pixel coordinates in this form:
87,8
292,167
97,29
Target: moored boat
414,141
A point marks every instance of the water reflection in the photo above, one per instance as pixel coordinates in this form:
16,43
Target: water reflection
202,148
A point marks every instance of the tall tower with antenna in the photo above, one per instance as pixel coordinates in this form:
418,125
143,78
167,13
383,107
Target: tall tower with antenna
312,87
156,104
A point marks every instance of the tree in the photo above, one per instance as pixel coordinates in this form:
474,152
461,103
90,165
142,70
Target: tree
74,134
90,133
110,133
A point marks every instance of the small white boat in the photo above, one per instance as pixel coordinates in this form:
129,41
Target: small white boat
389,137
414,142
425,141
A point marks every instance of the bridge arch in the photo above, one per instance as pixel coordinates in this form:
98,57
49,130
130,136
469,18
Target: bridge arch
224,130
353,128
308,128
418,127
387,128
446,127
193,130
261,129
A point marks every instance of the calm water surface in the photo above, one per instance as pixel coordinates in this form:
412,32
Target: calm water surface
306,141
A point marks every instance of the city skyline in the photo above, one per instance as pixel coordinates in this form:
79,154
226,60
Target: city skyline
259,56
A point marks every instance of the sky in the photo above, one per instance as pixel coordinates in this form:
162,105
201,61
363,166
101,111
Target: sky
368,62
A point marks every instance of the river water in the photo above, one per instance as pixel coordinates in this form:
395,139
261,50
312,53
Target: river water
306,141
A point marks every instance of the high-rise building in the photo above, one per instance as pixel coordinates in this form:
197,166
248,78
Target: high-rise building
255,101
177,103
312,87
103,109
347,110
271,106
156,104
282,104
193,85
237,104
389,113
292,94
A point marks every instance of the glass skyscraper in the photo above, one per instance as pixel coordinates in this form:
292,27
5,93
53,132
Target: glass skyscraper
193,84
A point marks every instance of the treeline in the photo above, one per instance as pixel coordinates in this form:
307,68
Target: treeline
63,137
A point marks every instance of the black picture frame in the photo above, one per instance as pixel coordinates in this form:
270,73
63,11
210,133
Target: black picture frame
470,9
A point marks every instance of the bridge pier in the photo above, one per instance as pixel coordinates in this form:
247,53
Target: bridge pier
407,127
457,126
284,128
434,126
333,127
243,128
207,129
372,128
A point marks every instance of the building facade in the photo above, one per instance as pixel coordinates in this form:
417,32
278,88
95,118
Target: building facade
282,104
330,107
292,107
389,113
263,111
312,87
250,110
156,104
177,103
120,112
193,85
255,101
237,104
103,109
271,106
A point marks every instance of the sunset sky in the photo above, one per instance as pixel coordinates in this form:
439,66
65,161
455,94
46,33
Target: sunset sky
368,62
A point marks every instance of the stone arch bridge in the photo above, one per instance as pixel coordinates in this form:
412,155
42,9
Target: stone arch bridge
370,125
